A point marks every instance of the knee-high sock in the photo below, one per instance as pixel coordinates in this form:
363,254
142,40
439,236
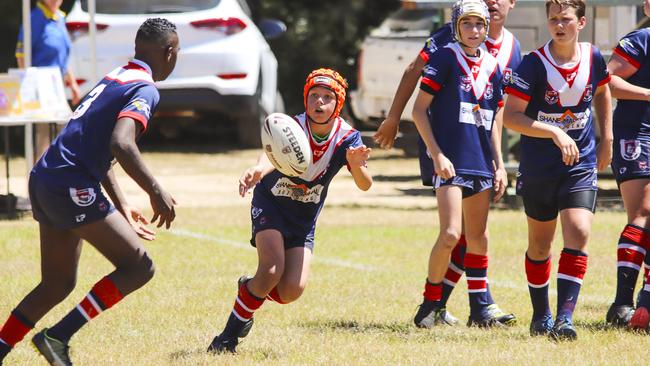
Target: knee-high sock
102,296
538,274
644,296
476,271
432,291
632,247
242,311
455,269
274,296
13,331
571,271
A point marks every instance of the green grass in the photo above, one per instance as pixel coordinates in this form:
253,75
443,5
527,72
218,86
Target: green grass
366,283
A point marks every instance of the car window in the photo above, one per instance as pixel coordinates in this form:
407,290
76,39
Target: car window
150,6
416,22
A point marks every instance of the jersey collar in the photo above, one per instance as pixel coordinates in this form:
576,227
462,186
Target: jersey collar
143,65
48,13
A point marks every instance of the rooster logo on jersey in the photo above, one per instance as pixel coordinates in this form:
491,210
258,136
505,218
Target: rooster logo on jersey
551,96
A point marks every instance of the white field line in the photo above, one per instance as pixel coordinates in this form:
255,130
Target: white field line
239,245
522,287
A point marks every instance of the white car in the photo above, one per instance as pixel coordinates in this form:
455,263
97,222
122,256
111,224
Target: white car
225,67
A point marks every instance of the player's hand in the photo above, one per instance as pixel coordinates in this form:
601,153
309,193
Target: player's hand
568,147
604,154
162,204
500,183
443,166
358,156
386,133
249,179
138,222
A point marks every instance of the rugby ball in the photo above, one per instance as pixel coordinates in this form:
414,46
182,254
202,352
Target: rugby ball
286,144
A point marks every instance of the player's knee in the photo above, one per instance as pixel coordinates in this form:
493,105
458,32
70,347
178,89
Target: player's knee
539,252
644,211
270,274
448,238
291,293
59,289
580,235
142,272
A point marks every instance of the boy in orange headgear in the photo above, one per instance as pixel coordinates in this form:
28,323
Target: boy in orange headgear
285,209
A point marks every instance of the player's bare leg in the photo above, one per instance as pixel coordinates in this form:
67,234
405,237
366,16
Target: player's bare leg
475,212
576,226
632,249
116,240
296,272
252,292
60,251
538,272
430,311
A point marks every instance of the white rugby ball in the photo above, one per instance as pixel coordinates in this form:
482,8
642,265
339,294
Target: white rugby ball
286,144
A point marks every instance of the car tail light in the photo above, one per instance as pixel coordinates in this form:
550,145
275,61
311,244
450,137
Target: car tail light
232,76
78,29
227,26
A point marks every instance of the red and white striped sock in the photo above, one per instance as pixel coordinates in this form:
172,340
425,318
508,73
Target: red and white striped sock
246,304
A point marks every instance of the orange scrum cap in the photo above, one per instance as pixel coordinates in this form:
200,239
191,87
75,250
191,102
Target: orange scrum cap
330,79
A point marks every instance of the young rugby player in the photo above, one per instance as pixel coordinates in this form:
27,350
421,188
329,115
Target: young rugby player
505,47
285,209
631,86
67,199
460,95
550,105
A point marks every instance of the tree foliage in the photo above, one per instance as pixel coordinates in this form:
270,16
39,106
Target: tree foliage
320,34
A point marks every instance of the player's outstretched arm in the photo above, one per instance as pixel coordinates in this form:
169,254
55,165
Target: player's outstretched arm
500,175
126,152
387,131
603,106
443,166
514,118
621,70
135,218
357,158
254,174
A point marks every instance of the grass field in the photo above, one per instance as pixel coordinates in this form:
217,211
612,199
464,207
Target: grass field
367,278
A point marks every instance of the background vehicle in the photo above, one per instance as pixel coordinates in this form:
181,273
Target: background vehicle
225,68
388,49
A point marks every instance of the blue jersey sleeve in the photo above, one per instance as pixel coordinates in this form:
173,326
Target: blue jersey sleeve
353,140
440,38
524,77
602,74
634,47
436,71
141,104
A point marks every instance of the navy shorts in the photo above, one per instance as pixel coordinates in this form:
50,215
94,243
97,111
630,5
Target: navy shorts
265,215
544,197
631,159
67,206
471,184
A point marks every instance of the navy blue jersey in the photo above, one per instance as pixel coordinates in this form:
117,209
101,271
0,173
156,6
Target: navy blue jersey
508,55
506,49
560,97
82,149
300,199
634,115
467,94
